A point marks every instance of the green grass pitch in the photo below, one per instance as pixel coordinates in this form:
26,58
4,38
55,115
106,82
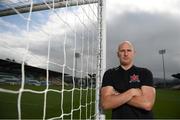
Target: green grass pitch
167,104
32,104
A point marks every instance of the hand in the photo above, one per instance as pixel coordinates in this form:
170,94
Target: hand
115,92
135,92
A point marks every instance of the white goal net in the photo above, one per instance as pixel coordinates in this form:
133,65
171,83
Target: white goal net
51,59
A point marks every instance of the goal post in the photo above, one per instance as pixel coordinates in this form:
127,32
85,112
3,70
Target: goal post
55,58
101,55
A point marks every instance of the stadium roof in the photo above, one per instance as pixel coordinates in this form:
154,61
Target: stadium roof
12,66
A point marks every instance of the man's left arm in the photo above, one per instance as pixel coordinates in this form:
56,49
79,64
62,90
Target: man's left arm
146,100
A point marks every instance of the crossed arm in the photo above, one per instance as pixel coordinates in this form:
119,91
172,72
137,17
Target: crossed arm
141,98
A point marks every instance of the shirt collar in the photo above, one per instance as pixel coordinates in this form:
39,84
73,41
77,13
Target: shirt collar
121,68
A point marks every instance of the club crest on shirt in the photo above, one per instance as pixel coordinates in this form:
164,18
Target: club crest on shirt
134,78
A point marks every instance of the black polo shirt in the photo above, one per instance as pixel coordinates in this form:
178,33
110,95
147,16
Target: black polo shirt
122,80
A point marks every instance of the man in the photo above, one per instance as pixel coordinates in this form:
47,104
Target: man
128,90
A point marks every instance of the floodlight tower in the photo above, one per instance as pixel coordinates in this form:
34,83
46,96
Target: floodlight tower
162,52
77,55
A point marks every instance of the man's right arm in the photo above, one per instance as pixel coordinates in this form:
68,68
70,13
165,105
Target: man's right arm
111,99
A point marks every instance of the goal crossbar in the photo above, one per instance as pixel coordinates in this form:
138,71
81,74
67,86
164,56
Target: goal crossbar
43,6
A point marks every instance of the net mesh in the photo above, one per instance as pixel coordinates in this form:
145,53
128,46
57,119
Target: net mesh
51,58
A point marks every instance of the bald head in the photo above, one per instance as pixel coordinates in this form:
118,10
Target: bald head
126,54
126,42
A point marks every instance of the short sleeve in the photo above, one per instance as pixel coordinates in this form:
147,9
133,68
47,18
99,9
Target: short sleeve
107,79
147,77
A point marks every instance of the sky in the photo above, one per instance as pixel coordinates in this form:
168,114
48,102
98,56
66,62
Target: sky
149,25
